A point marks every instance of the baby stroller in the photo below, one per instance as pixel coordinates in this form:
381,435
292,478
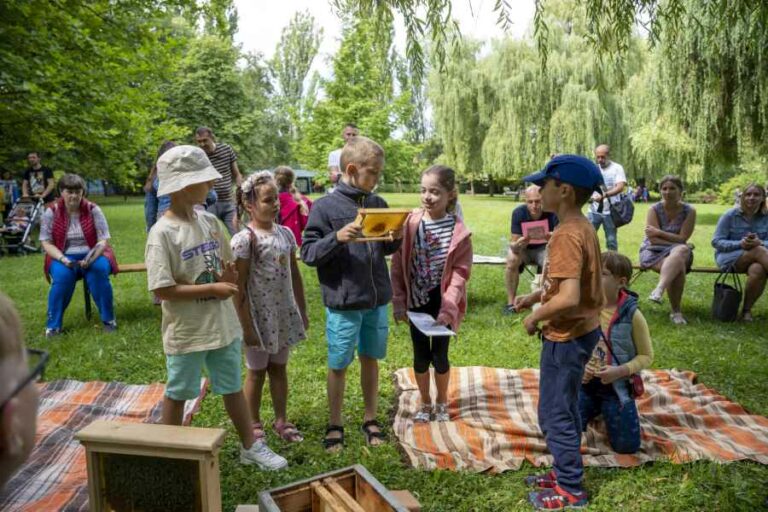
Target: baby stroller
16,232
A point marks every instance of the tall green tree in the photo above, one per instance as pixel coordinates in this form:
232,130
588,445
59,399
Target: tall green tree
219,87
81,81
362,91
294,54
503,115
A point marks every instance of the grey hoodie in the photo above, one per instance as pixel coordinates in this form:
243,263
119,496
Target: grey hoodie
352,275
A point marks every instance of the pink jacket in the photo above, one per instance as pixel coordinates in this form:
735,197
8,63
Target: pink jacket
453,286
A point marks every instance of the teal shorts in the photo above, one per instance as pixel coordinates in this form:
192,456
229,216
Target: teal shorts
185,371
364,329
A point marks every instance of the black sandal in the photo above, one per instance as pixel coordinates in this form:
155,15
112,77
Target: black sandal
370,434
331,442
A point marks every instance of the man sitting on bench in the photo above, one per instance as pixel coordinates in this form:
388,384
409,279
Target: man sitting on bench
522,250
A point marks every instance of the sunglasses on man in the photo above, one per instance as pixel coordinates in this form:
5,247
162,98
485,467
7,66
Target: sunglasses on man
37,360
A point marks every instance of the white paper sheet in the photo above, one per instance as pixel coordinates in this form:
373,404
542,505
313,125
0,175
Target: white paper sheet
426,324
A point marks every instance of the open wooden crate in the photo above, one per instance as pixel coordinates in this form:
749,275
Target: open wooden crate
351,489
140,466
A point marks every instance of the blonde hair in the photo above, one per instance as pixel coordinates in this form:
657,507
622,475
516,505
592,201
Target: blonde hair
11,344
762,209
360,150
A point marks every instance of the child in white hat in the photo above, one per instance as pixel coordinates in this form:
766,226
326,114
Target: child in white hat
190,268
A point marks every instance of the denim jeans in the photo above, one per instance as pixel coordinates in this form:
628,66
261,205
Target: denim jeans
150,208
621,421
63,280
227,212
561,370
611,240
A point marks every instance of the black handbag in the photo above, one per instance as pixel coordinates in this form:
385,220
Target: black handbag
621,211
726,299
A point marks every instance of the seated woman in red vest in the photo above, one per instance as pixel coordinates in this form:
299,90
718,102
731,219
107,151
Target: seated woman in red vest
74,235
294,206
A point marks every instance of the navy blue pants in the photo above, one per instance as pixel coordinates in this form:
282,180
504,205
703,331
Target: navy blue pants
621,421
562,368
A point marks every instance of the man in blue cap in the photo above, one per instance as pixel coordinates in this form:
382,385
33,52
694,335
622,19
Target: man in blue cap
571,298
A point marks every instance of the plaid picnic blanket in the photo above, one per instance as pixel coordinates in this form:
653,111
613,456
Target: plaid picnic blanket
55,476
494,424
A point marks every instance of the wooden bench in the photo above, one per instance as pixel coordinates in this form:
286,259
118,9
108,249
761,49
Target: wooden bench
479,259
126,268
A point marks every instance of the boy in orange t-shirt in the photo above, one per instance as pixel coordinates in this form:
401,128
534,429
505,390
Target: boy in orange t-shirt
571,299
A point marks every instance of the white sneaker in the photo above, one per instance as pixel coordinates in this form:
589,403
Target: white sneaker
260,454
656,296
424,415
441,412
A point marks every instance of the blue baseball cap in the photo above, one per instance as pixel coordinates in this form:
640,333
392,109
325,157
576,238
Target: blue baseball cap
575,170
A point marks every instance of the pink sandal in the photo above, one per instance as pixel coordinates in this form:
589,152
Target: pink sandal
288,432
258,431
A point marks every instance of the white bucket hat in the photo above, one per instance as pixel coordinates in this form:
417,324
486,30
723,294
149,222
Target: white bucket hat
182,166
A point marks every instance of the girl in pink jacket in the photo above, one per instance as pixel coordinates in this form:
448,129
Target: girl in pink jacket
429,275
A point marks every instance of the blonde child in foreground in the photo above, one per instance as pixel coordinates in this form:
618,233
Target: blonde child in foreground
270,300
189,267
571,299
625,350
429,275
18,393
354,282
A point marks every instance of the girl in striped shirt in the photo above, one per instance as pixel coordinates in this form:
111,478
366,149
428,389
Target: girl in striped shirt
429,275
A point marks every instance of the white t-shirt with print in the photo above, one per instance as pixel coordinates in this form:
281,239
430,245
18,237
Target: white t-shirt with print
612,175
270,289
181,252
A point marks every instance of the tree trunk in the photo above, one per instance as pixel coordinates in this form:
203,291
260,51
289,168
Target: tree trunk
491,186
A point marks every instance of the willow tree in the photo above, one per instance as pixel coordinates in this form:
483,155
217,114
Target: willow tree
518,113
715,73
455,96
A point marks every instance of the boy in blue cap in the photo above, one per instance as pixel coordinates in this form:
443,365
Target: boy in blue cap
571,298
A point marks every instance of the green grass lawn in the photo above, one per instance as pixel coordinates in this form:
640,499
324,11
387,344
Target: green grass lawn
729,357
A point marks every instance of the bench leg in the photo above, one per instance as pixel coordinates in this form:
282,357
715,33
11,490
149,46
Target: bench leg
87,297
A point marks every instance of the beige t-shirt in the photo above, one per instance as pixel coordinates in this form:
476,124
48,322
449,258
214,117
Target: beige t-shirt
180,252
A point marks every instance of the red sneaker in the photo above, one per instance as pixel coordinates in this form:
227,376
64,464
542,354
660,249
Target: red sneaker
557,498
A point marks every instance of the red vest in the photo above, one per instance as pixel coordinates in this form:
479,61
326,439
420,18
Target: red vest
61,225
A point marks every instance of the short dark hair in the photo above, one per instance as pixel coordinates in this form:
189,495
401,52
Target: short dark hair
351,125
617,264
204,130
669,178
36,153
581,195
71,182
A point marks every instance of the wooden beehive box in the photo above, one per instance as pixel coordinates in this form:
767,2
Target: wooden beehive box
351,489
140,466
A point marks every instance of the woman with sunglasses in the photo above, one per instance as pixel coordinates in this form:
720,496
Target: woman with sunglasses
18,393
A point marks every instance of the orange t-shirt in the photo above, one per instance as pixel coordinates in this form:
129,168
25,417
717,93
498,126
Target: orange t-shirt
573,252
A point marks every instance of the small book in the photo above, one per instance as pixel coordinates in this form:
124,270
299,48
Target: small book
426,324
536,231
